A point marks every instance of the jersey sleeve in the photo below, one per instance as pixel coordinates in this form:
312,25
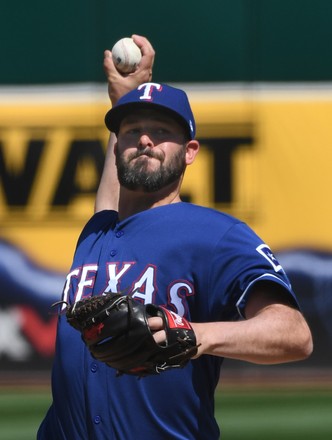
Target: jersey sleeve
241,260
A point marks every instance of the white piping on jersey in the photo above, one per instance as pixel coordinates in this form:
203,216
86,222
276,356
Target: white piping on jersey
265,275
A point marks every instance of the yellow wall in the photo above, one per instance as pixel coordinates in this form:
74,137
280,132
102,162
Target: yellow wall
281,181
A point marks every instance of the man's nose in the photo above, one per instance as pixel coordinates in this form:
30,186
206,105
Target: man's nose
145,141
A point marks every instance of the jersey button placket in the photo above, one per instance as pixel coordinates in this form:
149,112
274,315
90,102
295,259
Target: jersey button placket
118,234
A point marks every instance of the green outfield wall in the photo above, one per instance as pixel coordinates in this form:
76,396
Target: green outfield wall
217,40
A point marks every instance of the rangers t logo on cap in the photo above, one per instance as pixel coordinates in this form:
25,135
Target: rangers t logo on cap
148,89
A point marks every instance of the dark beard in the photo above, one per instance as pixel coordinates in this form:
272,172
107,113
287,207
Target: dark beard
136,176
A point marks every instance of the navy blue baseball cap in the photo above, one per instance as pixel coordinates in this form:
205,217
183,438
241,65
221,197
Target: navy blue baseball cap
171,100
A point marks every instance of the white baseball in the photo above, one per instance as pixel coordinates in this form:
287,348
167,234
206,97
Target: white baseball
126,55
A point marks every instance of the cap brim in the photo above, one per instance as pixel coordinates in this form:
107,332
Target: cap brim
114,116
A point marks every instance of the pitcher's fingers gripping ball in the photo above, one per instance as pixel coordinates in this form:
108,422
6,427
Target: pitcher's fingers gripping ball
115,329
126,55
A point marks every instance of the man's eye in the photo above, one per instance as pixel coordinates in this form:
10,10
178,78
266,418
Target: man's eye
161,131
132,131
154,132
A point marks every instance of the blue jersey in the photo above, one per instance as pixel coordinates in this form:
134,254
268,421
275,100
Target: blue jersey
197,262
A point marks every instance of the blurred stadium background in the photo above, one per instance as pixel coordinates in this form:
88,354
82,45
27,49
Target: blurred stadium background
259,75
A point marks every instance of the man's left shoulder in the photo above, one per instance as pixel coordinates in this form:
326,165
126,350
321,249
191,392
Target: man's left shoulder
209,214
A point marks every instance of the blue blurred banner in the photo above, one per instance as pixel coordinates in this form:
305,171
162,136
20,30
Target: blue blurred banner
27,321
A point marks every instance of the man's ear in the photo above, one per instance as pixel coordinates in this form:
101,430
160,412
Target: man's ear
192,149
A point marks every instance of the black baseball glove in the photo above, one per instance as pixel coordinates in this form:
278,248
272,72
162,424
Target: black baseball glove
115,329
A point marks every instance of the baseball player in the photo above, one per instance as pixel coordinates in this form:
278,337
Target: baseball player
208,269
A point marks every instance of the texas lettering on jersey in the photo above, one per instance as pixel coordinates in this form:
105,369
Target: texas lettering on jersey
81,282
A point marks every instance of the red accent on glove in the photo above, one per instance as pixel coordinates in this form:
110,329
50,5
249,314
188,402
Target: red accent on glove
175,320
91,333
